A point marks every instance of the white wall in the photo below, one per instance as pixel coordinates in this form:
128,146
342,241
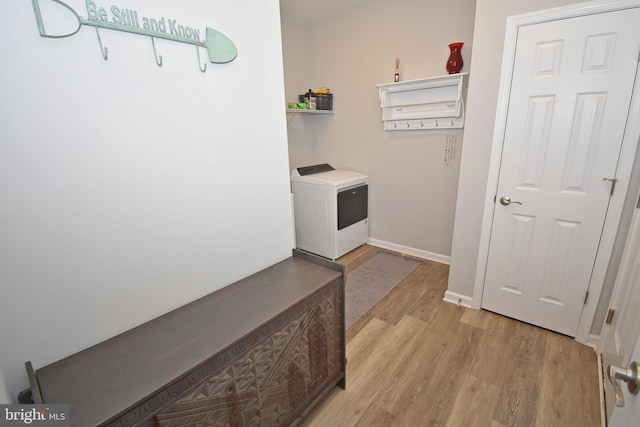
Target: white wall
412,190
127,189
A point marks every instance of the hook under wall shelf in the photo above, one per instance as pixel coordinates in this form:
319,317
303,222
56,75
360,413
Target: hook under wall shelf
424,124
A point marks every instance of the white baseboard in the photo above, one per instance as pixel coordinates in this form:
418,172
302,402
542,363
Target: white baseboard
457,299
443,259
593,341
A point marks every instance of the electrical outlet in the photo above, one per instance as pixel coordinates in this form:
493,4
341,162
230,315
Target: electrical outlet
450,148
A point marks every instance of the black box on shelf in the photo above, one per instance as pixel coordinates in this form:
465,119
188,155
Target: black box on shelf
324,101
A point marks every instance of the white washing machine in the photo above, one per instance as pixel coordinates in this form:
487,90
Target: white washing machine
330,210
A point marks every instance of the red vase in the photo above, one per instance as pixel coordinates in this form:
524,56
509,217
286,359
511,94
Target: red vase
454,63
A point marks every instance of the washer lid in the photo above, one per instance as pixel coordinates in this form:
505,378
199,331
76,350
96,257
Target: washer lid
332,178
308,170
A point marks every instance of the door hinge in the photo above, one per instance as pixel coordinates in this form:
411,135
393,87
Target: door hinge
586,297
610,315
613,183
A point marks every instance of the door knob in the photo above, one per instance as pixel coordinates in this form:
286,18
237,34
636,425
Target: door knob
506,200
629,375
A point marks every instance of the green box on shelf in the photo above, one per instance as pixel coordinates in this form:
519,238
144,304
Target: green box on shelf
297,106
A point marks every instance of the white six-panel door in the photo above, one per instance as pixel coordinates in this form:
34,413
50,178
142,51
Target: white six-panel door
570,95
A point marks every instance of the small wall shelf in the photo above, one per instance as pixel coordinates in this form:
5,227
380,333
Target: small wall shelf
294,111
431,103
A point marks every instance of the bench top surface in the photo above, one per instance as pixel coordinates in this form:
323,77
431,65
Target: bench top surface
108,378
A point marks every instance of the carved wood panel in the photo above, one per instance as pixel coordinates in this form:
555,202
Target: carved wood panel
269,382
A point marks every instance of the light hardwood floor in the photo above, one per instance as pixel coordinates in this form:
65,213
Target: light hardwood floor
414,360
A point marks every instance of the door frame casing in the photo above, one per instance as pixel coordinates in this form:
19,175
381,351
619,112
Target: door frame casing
625,164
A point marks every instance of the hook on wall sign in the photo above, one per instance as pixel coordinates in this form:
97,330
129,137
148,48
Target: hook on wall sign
202,67
155,53
103,50
220,48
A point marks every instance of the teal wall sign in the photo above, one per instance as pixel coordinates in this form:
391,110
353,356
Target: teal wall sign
219,47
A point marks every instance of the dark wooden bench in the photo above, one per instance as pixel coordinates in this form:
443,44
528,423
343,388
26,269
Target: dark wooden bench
261,351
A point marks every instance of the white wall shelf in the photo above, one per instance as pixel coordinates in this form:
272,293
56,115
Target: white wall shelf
294,111
431,103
